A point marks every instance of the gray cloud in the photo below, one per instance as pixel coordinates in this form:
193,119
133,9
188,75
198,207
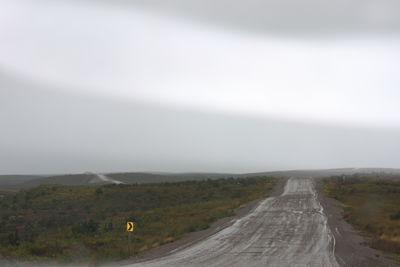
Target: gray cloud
306,17
46,131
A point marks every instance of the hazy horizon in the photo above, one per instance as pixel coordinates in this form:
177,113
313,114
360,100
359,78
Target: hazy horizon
198,86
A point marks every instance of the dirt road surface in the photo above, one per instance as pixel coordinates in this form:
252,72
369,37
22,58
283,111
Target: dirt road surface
287,230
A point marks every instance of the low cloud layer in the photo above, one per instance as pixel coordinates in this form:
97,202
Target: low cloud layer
305,18
48,132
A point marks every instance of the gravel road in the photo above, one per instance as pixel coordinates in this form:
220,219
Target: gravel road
287,230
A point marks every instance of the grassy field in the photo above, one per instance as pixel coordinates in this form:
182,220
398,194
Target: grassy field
87,224
372,204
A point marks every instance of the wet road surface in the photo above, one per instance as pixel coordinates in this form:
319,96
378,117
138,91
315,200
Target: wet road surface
288,230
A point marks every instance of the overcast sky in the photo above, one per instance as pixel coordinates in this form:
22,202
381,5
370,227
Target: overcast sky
227,86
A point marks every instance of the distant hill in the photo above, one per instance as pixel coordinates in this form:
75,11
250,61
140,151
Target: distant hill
142,177
10,180
125,178
69,179
30,181
327,172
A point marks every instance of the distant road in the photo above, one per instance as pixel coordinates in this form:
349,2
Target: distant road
103,178
288,230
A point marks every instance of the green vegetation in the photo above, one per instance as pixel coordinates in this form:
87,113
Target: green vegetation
372,204
87,223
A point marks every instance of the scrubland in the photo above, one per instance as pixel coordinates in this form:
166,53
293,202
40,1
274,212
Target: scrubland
58,223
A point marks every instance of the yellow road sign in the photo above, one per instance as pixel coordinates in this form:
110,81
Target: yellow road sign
130,226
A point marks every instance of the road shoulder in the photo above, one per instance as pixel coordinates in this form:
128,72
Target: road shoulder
350,246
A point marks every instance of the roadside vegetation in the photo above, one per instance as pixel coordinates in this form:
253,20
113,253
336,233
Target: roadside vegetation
58,223
372,204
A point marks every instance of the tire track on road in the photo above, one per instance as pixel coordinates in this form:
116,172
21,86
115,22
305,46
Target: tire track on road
288,230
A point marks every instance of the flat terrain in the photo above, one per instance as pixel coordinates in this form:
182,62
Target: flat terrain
348,220
86,224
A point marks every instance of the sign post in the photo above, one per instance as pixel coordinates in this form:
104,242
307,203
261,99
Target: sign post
130,226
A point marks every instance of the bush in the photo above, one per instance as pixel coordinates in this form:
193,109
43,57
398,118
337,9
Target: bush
395,216
87,227
83,222
13,239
